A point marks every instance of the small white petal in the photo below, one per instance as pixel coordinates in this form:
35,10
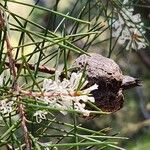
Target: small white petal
86,113
91,88
49,85
91,99
121,40
1,81
75,80
121,20
80,107
136,18
133,45
57,74
141,24
6,106
40,115
125,1
128,45
141,45
116,24
65,83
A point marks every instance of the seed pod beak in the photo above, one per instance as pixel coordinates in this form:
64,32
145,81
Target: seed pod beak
130,82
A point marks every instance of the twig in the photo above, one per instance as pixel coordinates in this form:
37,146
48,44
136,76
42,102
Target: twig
43,69
11,63
47,94
23,124
132,128
4,26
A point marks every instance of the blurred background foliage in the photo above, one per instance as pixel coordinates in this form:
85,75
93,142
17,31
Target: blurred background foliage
133,120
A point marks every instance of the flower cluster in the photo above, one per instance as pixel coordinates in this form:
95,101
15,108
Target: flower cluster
6,106
66,94
40,115
128,28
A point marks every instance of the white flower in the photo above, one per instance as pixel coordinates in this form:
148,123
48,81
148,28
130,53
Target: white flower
81,107
136,40
64,103
40,115
52,86
49,85
65,83
125,35
136,18
126,13
6,106
66,93
75,79
65,86
91,88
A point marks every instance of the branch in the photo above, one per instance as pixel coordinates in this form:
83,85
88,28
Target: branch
47,94
24,127
133,128
11,63
32,67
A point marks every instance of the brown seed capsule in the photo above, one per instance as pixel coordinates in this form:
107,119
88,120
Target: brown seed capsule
109,78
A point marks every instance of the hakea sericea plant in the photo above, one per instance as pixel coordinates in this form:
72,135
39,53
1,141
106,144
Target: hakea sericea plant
63,95
36,105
